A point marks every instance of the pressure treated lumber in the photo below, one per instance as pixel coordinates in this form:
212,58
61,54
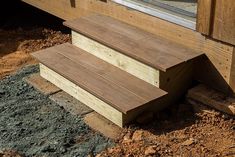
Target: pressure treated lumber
118,89
131,41
219,54
82,95
107,82
117,59
204,16
232,74
224,21
212,98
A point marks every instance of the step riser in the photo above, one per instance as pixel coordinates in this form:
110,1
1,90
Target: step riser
85,97
117,59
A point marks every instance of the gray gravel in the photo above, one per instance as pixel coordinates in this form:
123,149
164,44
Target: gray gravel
33,125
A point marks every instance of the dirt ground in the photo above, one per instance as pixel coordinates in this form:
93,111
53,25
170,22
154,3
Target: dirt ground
28,127
179,132
17,44
26,30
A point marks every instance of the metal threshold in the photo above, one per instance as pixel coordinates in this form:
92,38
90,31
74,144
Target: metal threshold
163,11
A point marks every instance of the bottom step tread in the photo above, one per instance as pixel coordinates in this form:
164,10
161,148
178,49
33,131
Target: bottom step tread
66,60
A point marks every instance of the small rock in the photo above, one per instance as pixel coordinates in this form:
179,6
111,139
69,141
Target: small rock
138,135
127,137
2,92
188,142
91,155
150,150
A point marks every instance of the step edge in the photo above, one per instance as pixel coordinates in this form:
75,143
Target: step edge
66,23
110,103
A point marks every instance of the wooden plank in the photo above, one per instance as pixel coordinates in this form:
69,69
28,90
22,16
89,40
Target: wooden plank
204,16
212,98
124,45
119,98
111,73
224,21
117,59
101,86
82,95
176,82
214,79
232,75
156,52
219,54
150,41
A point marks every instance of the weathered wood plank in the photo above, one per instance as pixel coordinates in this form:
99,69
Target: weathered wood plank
145,47
110,89
82,95
224,21
232,75
212,98
117,59
109,72
204,16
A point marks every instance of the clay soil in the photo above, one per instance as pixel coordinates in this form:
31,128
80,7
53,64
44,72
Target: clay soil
24,31
177,131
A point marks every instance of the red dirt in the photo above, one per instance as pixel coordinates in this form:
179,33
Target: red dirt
10,153
17,44
183,133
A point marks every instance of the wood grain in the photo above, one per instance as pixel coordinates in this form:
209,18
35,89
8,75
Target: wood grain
117,59
82,95
204,16
224,21
109,72
219,54
212,98
232,76
102,83
140,45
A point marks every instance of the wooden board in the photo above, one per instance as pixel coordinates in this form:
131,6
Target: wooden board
204,16
82,95
219,54
224,21
232,76
131,41
212,98
108,83
216,19
117,59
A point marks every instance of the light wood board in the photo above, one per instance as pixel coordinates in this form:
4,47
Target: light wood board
145,47
117,59
110,84
94,103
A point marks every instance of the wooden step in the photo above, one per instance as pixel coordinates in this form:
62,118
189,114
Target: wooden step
103,87
135,43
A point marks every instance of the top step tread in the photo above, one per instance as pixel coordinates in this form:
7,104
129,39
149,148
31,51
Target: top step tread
152,50
112,85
